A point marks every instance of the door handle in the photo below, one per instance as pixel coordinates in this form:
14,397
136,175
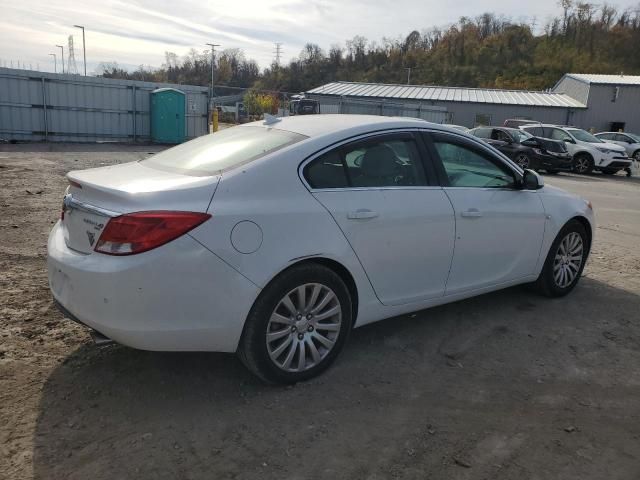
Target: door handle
361,214
472,213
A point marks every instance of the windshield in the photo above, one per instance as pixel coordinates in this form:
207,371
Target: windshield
228,148
520,135
636,138
584,136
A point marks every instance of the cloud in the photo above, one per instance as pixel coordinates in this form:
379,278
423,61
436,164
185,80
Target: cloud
135,32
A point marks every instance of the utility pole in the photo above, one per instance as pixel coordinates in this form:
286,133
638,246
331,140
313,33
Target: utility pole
84,49
408,69
213,50
62,49
55,63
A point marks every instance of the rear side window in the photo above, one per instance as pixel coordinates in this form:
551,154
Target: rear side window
220,151
326,171
535,131
380,162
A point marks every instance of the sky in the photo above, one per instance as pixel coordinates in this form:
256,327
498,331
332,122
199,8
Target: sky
136,32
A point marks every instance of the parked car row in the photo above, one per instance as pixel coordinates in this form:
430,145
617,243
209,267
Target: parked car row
607,152
526,150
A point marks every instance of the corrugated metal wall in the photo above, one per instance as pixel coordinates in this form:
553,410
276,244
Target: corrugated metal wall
331,104
605,107
38,106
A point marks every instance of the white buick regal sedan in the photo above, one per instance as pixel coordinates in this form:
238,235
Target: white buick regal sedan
274,239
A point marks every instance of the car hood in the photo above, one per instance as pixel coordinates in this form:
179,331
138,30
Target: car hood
610,146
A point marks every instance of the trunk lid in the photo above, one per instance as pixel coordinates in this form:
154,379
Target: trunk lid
96,195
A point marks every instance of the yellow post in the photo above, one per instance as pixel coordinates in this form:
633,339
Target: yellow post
214,120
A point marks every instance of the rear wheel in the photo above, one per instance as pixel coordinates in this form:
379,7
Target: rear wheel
298,325
583,163
565,261
636,155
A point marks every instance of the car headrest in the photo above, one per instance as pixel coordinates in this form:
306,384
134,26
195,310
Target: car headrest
380,161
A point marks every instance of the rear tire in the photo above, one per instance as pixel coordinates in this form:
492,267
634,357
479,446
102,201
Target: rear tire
583,163
297,326
523,161
565,261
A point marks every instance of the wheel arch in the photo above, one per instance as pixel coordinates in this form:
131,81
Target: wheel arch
338,268
587,226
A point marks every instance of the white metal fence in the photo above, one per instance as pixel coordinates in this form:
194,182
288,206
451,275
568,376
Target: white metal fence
37,106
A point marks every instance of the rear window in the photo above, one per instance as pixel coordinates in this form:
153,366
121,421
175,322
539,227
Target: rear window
220,151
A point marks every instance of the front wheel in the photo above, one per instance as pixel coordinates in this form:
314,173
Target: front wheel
583,163
298,325
565,261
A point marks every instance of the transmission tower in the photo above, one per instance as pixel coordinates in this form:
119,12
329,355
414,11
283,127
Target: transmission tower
278,52
72,68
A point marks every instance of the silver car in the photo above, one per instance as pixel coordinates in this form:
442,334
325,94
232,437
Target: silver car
630,141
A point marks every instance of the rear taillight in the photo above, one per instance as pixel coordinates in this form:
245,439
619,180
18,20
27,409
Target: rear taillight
138,232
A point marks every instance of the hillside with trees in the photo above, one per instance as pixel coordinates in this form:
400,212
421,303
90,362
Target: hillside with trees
486,51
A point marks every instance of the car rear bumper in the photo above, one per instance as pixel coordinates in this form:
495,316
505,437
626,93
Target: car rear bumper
178,297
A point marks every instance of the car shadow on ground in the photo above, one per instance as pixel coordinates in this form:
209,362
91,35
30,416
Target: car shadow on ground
507,384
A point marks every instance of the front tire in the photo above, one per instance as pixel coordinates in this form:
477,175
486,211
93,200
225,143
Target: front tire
298,325
583,163
565,261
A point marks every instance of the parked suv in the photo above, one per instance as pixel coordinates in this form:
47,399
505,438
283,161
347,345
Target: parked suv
526,150
589,152
630,142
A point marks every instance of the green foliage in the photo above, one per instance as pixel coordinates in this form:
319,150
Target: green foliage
257,103
488,51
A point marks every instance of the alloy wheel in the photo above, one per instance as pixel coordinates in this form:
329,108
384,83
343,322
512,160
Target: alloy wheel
522,160
582,164
568,260
636,156
304,327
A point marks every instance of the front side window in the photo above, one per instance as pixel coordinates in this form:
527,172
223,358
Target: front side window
220,151
557,134
390,162
622,138
468,167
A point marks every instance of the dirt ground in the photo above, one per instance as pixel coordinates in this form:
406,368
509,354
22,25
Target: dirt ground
505,386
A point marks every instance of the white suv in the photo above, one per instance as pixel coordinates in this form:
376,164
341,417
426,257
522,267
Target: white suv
589,152
630,142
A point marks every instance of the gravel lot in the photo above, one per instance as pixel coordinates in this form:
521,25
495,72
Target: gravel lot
505,386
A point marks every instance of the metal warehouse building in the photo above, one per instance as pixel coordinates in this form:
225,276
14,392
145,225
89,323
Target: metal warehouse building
613,101
601,102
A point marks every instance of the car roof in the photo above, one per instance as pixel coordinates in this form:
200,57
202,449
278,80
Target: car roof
326,124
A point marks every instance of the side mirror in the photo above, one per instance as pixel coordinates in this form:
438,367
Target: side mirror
531,142
531,180
569,140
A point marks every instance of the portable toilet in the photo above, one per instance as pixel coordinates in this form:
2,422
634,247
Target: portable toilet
168,119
